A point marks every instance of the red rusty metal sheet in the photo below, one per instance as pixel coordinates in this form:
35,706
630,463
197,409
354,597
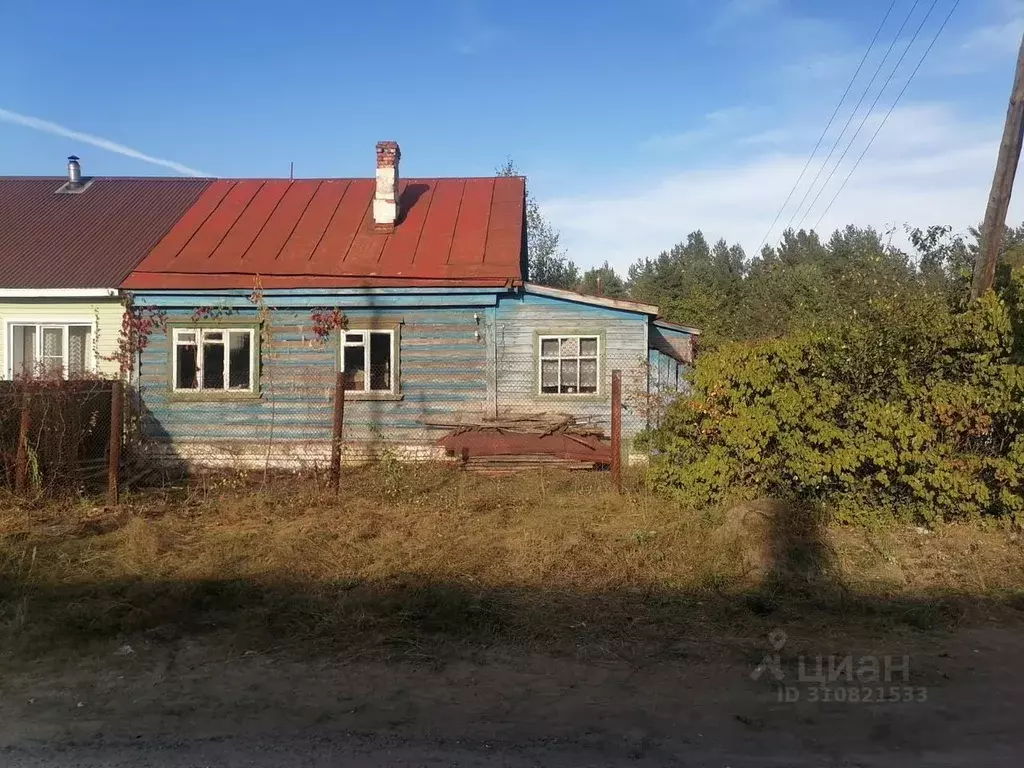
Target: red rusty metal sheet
494,443
294,231
91,239
470,241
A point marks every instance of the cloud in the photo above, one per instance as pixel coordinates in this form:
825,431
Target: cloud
711,126
928,166
46,126
770,136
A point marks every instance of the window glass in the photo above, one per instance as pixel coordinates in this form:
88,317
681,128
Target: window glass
186,371
23,351
588,375
213,363
549,376
355,368
380,362
240,359
569,365
79,341
52,357
570,377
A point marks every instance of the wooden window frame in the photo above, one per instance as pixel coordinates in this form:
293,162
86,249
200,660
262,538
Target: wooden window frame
579,336
365,327
224,392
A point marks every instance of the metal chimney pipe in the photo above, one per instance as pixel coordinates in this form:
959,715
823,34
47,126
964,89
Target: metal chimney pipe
74,171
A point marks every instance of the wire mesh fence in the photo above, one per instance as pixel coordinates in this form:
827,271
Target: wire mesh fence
470,405
55,435
484,410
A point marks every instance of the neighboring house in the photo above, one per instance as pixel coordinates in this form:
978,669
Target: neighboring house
412,289
65,246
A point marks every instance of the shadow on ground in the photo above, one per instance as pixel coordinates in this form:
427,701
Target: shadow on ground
800,591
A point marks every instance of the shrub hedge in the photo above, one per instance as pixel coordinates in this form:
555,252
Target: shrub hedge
913,409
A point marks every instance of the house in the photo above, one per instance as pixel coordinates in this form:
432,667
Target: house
65,246
413,290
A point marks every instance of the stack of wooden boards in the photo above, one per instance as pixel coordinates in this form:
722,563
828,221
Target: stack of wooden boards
512,442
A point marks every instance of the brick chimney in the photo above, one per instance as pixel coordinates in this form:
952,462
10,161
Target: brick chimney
385,199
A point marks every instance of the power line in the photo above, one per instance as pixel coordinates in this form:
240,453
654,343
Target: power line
891,109
853,114
827,126
871,109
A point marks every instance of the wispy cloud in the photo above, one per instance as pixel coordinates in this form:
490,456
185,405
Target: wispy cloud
929,166
38,124
473,33
712,125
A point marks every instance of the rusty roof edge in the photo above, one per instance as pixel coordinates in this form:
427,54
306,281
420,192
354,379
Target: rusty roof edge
583,298
661,323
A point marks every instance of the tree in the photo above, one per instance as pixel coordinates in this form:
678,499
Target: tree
611,285
547,262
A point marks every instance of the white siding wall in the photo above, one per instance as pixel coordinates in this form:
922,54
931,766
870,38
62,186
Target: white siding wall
105,314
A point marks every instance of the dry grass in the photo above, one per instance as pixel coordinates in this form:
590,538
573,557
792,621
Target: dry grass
410,559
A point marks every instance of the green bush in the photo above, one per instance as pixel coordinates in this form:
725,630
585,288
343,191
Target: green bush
913,408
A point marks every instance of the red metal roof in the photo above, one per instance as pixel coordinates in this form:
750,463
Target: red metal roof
319,233
90,239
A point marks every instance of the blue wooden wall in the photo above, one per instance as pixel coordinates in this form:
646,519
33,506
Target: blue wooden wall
462,351
443,369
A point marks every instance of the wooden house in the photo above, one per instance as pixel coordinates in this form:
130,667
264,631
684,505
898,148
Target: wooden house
414,290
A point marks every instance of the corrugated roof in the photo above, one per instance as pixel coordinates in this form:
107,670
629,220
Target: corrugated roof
319,233
91,239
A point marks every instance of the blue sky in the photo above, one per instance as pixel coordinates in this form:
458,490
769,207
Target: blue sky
635,122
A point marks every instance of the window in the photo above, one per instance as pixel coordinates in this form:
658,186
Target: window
49,348
368,360
214,359
569,365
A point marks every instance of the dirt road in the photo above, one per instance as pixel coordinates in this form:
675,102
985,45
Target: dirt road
194,704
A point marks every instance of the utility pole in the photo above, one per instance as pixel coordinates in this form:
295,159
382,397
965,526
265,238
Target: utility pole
993,229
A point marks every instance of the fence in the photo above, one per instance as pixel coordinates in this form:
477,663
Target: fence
572,407
465,402
60,435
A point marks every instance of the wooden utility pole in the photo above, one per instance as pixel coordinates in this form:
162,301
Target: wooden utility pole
1002,185
617,429
337,430
114,454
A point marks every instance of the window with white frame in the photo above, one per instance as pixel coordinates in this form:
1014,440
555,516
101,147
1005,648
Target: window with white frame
49,349
569,365
368,360
214,360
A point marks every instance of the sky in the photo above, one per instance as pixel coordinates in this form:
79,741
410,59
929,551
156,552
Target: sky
635,123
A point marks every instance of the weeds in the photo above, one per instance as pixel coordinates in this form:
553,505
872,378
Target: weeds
416,556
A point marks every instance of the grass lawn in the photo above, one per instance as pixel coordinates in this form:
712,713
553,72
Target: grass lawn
423,561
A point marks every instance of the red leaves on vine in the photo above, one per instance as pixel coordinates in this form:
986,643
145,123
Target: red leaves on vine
326,321
200,314
137,325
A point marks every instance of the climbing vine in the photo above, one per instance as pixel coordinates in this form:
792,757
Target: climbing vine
137,325
326,321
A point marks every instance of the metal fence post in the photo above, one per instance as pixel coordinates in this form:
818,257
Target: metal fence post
114,454
21,455
338,428
617,429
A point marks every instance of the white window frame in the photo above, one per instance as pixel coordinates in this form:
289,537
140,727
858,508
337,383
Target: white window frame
578,357
365,344
199,332
55,322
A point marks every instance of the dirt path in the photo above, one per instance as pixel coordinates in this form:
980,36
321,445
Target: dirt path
194,705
